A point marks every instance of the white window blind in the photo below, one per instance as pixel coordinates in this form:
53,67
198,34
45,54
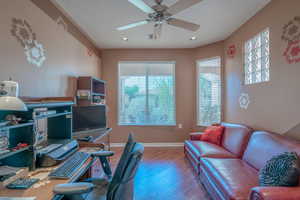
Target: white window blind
209,91
146,93
257,58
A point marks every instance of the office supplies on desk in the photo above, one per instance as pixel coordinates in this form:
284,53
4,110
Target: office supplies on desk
57,155
70,166
22,183
10,174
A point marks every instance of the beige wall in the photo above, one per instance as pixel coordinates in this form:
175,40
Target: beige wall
274,105
66,56
185,90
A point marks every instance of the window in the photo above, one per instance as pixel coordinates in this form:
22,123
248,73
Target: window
257,58
209,91
146,93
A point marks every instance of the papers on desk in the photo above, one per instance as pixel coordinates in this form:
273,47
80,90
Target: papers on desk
17,198
6,170
10,174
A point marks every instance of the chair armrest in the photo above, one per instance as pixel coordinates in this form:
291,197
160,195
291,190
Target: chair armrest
102,153
275,193
196,135
73,188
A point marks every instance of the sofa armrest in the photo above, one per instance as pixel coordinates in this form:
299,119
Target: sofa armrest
275,193
196,135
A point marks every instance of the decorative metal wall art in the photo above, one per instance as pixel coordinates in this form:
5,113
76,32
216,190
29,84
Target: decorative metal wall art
292,52
291,34
244,101
231,51
24,34
90,52
22,31
291,31
35,54
61,23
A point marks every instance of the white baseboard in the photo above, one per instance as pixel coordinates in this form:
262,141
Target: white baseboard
179,144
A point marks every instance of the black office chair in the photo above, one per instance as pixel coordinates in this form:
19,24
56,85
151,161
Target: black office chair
121,185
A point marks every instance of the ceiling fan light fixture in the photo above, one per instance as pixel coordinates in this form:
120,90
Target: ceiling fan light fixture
160,14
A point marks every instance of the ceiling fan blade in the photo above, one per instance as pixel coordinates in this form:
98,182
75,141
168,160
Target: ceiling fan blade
140,23
181,5
183,24
142,5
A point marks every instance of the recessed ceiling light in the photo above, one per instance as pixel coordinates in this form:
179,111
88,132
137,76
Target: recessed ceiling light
125,38
193,38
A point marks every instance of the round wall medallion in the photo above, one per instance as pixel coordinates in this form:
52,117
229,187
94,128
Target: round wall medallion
244,101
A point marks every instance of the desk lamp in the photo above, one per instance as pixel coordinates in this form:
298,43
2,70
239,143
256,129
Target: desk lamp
9,92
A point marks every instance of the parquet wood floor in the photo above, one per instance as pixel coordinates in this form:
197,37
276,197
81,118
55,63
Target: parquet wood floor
165,174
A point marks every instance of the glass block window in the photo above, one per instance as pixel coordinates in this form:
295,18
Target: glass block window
257,58
147,93
209,91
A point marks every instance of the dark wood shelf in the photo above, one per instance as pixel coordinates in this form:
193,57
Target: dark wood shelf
95,87
2,156
98,94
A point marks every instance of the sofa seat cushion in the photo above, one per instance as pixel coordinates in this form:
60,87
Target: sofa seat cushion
233,178
204,149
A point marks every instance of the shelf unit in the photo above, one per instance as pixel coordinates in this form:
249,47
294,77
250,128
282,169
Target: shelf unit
90,91
3,156
16,126
59,126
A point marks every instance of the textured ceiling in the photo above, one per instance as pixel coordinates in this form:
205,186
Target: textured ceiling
100,18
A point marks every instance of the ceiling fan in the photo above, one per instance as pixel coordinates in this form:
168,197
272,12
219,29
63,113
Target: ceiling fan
159,14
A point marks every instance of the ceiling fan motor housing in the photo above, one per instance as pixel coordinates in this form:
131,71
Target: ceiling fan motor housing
160,14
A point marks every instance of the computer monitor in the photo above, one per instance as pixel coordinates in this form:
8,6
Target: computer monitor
89,117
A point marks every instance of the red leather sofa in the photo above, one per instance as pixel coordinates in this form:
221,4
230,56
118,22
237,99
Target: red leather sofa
236,177
234,142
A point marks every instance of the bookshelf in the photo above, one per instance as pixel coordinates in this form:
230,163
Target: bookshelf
90,91
59,128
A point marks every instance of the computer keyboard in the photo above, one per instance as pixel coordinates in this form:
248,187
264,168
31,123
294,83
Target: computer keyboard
49,148
64,149
70,166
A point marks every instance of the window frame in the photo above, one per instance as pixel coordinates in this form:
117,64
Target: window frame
244,59
119,93
197,88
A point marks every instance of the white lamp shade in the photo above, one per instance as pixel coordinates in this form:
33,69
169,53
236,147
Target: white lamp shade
12,103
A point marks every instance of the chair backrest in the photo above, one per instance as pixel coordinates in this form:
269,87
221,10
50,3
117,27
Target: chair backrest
121,186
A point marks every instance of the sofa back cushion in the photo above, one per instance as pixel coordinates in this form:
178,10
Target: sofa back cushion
264,145
235,138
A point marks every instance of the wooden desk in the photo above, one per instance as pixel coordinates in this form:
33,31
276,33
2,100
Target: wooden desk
99,136
45,192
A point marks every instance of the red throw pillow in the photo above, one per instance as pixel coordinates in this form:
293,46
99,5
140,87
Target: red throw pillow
213,134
